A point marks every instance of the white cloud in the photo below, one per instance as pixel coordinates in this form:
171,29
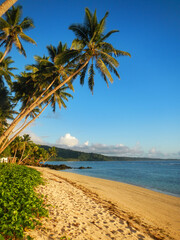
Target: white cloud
86,143
152,150
113,150
68,140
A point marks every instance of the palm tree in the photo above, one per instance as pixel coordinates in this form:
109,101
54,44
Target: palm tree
6,5
89,48
91,40
6,104
15,146
11,30
25,141
28,87
51,153
5,70
6,107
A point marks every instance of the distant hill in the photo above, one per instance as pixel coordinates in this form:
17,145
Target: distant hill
70,155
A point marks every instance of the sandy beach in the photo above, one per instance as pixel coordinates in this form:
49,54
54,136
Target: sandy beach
90,208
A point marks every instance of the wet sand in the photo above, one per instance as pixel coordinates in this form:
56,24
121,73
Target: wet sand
84,207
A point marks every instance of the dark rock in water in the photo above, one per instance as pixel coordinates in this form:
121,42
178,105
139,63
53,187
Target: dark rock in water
84,167
61,167
56,167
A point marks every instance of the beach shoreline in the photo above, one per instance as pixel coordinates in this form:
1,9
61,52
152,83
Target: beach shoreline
155,215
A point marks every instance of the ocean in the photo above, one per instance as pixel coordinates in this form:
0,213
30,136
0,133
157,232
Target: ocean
158,175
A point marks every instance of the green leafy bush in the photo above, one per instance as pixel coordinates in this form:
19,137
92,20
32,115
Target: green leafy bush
20,205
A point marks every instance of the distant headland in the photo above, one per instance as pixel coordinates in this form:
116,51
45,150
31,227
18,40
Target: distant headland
71,155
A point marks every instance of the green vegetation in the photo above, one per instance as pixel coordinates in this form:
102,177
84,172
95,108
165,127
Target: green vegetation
24,152
12,30
20,207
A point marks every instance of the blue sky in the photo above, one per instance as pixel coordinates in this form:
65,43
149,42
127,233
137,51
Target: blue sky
138,115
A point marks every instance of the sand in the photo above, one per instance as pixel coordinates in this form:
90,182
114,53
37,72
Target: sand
90,208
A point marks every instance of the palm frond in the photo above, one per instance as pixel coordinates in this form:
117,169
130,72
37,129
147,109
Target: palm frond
27,23
3,24
109,58
91,77
19,46
122,53
88,18
27,38
112,68
80,31
83,74
102,22
102,74
16,14
108,34
77,44
65,56
104,69
52,52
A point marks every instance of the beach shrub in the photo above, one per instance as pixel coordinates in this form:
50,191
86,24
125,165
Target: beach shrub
20,206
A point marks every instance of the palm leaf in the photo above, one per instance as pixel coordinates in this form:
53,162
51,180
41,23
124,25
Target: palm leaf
27,23
102,22
77,44
52,52
104,69
83,74
109,58
66,56
112,68
122,53
3,24
91,78
26,38
80,31
88,18
108,34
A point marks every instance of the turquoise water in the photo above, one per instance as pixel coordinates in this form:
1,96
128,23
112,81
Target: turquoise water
159,175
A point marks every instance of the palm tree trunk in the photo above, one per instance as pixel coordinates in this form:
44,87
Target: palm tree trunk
5,144
14,157
5,53
19,162
24,159
36,103
6,5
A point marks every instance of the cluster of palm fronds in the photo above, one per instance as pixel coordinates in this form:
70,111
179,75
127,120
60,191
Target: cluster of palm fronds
48,81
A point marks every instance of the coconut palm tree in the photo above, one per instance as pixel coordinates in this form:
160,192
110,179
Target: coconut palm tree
15,146
5,70
25,141
28,87
51,153
6,5
99,54
6,107
42,77
89,49
12,30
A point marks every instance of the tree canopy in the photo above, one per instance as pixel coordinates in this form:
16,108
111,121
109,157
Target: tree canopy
49,80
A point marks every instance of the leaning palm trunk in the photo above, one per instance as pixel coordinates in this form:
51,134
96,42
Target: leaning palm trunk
28,110
6,142
6,5
4,55
14,157
22,154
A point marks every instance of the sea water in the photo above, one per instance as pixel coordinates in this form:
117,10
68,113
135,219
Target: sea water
158,175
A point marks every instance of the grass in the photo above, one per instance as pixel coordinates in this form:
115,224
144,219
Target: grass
20,206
